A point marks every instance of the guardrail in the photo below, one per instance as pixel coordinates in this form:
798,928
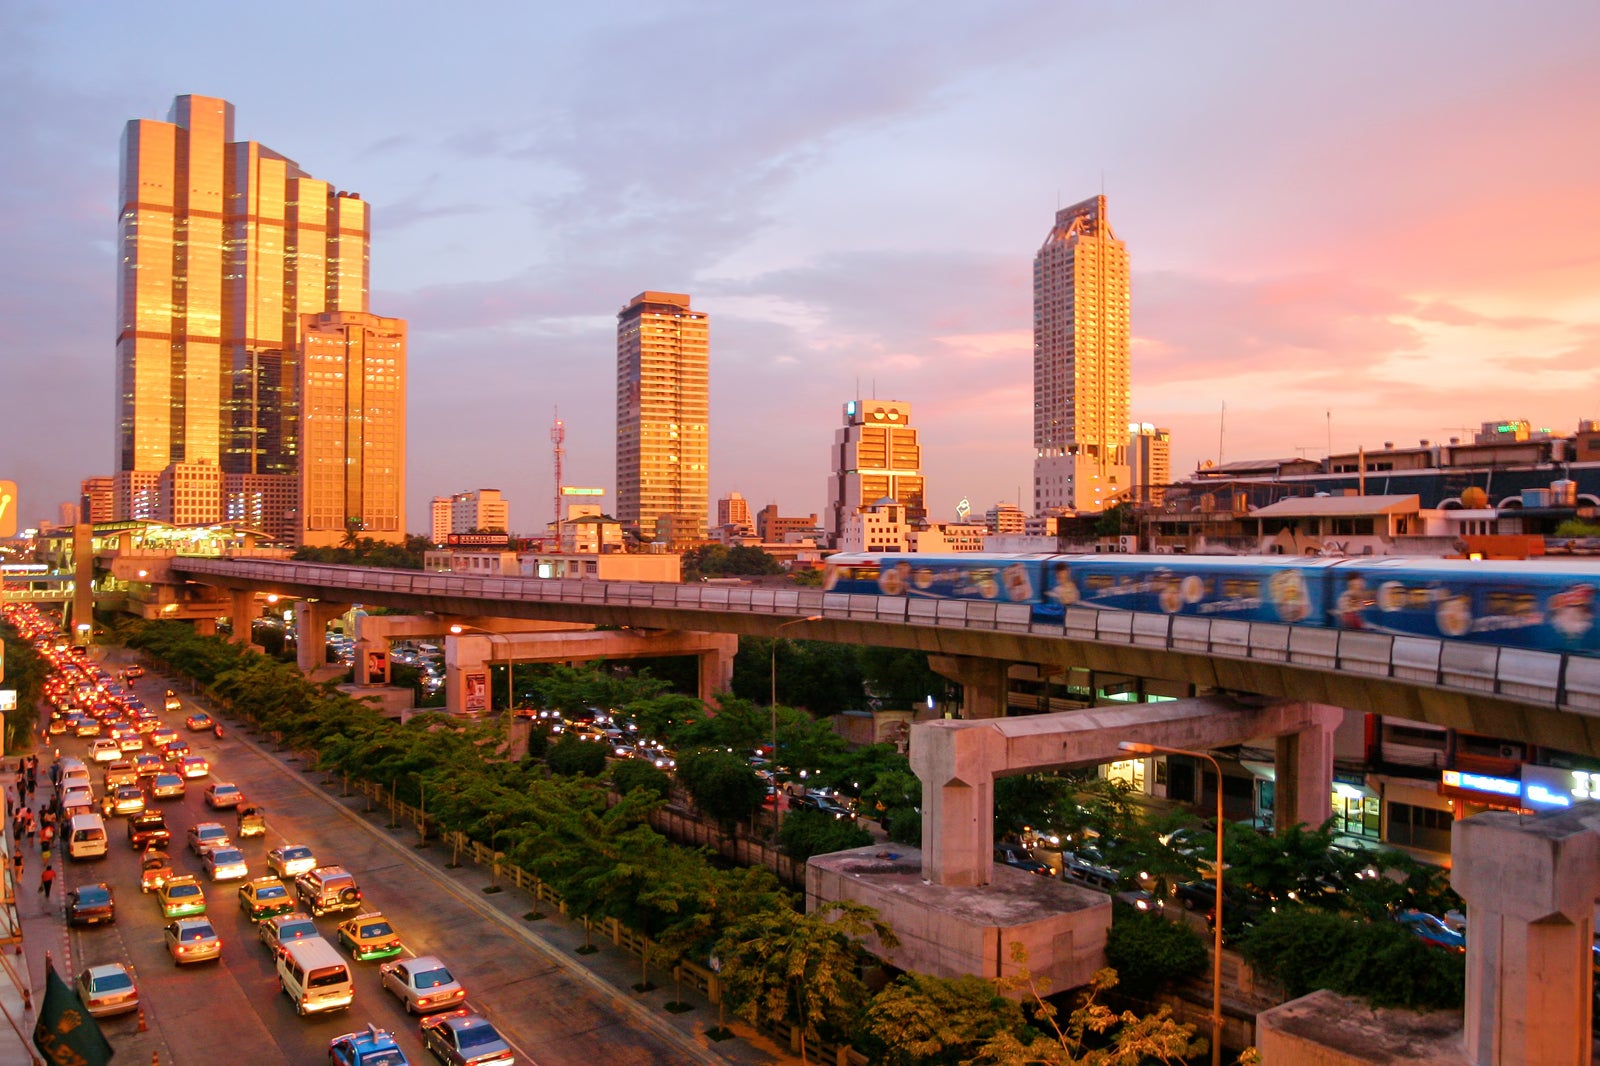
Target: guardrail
1557,680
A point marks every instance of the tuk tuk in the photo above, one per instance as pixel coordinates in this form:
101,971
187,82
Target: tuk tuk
252,821
155,867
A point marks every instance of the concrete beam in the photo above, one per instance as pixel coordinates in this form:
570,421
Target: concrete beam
311,618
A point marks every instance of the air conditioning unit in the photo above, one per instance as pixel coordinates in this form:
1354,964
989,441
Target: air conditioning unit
1510,751
1128,544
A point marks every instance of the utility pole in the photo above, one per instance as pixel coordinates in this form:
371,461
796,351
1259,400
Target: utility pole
558,436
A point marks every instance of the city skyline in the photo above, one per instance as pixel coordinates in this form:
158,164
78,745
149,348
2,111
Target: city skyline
1391,228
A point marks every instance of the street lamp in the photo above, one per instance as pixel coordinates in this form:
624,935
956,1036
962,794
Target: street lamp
777,797
1216,945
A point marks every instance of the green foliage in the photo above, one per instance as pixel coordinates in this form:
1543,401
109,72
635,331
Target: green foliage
894,798
921,1020
26,672
806,833
1380,962
721,784
802,967
1578,527
899,677
538,742
571,757
1146,949
630,774
365,551
718,560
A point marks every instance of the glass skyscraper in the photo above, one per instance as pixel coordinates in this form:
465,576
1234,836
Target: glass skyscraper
1080,363
223,246
663,417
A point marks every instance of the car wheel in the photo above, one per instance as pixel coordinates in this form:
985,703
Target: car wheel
1188,904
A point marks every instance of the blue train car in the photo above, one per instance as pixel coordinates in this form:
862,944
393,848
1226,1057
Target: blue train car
1547,606
1244,588
953,576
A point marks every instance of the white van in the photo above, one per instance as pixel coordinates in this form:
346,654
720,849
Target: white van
86,837
314,976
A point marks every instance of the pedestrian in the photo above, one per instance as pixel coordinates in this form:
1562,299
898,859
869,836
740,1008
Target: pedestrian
16,866
47,880
29,825
47,836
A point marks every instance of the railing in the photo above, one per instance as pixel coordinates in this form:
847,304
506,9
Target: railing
1551,679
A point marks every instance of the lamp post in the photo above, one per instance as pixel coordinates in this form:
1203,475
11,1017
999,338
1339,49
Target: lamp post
777,796
1216,944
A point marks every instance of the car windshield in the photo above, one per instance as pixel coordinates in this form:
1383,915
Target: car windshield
434,978
197,932
223,855
272,891
111,982
297,853
377,929
387,1057
477,1036
93,896
183,890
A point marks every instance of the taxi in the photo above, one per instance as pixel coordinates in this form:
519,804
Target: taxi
369,936
374,1047
264,897
181,896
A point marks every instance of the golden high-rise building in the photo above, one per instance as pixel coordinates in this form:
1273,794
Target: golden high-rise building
352,428
663,417
224,246
876,456
1080,363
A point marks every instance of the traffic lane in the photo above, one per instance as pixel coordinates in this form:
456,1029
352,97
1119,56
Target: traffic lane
573,1021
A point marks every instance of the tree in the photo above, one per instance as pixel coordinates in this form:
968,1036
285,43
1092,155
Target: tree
630,774
1146,950
571,757
806,833
1380,962
921,1020
721,784
802,967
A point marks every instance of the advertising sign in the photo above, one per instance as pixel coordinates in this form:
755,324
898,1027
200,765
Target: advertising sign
478,540
477,693
8,699
8,508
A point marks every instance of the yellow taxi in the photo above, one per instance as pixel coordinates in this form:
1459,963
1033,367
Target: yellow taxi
369,936
181,897
264,897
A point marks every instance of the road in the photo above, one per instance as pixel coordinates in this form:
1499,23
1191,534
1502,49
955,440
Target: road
233,1011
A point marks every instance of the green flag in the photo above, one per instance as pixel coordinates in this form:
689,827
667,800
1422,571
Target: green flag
66,1034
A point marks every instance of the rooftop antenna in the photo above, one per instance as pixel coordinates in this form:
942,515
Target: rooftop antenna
1330,433
1222,431
558,437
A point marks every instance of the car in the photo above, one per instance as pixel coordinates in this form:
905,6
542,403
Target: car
148,764
1432,930
192,940
192,766
84,726
130,740
173,750
127,800
284,929
167,786
162,735
221,795
462,1037
327,888
224,863
58,726
91,904
105,749
370,1047
264,897
1015,855
181,896
155,868
369,936
252,822
423,984
1089,867
290,860
171,702
148,829
133,672
198,722
203,835
107,989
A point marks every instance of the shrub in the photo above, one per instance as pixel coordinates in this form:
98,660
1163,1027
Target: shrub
571,757
1380,961
1146,949
630,774
807,833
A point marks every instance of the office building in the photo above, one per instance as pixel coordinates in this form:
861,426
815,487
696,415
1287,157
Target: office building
479,511
663,418
875,456
98,498
773,528
734,510
1149,462
439,512
224,247
352,428
1005,519
266,502
1080,363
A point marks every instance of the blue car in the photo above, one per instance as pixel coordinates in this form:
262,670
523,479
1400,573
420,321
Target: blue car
1432,930
371,1047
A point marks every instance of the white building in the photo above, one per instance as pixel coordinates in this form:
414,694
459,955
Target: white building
439,511
877,527
484,510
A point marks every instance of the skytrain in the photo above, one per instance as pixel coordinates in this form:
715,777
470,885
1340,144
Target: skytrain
1548,606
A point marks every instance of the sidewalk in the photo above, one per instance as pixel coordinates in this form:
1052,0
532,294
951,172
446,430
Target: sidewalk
20,910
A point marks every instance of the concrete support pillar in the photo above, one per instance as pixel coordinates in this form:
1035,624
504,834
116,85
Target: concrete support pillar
716,666
82,583
372,662
984,683
957,775
466,674
205,627
1304,790
311,618
1530,887
243,613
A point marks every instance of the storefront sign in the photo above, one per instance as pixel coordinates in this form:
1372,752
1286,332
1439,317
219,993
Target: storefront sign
1549,788
8,699
1470,782
477,540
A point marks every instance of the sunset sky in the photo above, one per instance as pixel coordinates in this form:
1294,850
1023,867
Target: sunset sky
1358,222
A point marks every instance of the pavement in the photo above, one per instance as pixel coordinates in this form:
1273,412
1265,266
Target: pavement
608,972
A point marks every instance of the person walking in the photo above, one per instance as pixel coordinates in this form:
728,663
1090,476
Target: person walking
47,836
16,867
47,881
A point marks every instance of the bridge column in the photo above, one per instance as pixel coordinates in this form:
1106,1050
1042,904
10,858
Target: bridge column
956,768
716,666
984,683
244,615
1529,884
1304,768
466,674
311,618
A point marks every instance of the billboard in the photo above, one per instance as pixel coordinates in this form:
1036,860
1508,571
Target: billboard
8,508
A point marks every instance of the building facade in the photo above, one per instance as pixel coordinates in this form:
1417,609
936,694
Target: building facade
663,417
352,428
875,456
439,515
480,510
774,528
1080,363
224,247
1005,519
881,526
734,510
1149,462
98,499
